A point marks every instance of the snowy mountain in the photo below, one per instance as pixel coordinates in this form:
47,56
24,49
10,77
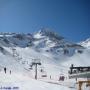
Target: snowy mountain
15,39
18,51
50,42
86,43
42,41
44,44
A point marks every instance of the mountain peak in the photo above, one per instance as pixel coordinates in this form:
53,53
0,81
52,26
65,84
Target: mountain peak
49,33
86,43
88,40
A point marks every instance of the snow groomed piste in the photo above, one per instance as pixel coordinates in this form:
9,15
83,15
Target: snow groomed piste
19,53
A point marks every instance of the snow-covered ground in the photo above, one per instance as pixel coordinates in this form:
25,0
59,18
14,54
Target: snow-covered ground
23,79
55,55
17,81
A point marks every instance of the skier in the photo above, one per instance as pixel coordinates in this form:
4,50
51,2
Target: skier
60,78
5,70
10,71
63,78
50,77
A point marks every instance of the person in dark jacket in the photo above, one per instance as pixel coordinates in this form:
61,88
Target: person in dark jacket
5,70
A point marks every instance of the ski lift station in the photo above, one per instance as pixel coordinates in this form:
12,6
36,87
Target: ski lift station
80,72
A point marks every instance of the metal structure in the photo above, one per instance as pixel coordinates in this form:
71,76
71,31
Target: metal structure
35,63
80,72
43,72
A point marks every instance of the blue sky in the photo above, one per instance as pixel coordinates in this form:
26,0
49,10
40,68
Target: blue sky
69,18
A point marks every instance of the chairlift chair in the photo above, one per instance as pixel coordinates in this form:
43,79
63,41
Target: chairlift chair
44,74
30,67
41,69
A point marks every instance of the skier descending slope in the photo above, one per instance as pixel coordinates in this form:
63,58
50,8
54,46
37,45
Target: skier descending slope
5,70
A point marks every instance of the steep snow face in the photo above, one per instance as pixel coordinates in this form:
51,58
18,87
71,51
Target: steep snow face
44,41
79,59
45,45
50,42
86,43
52,35
8,61
20,40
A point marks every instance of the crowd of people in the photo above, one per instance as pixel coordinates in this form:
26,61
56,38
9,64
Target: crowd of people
61,78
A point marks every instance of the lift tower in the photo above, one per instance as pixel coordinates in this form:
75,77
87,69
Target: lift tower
35,63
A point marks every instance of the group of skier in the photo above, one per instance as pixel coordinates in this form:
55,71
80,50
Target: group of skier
5,70
61,78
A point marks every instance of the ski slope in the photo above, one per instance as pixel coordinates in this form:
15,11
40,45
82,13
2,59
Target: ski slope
23,78
47,48
22,82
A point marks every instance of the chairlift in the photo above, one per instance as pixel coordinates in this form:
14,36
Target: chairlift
33,63
30,67
41,69
44,74
27,69
36,61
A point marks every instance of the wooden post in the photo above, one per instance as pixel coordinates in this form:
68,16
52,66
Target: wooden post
80,85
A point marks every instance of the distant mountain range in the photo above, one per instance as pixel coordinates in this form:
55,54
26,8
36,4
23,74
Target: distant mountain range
42,41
